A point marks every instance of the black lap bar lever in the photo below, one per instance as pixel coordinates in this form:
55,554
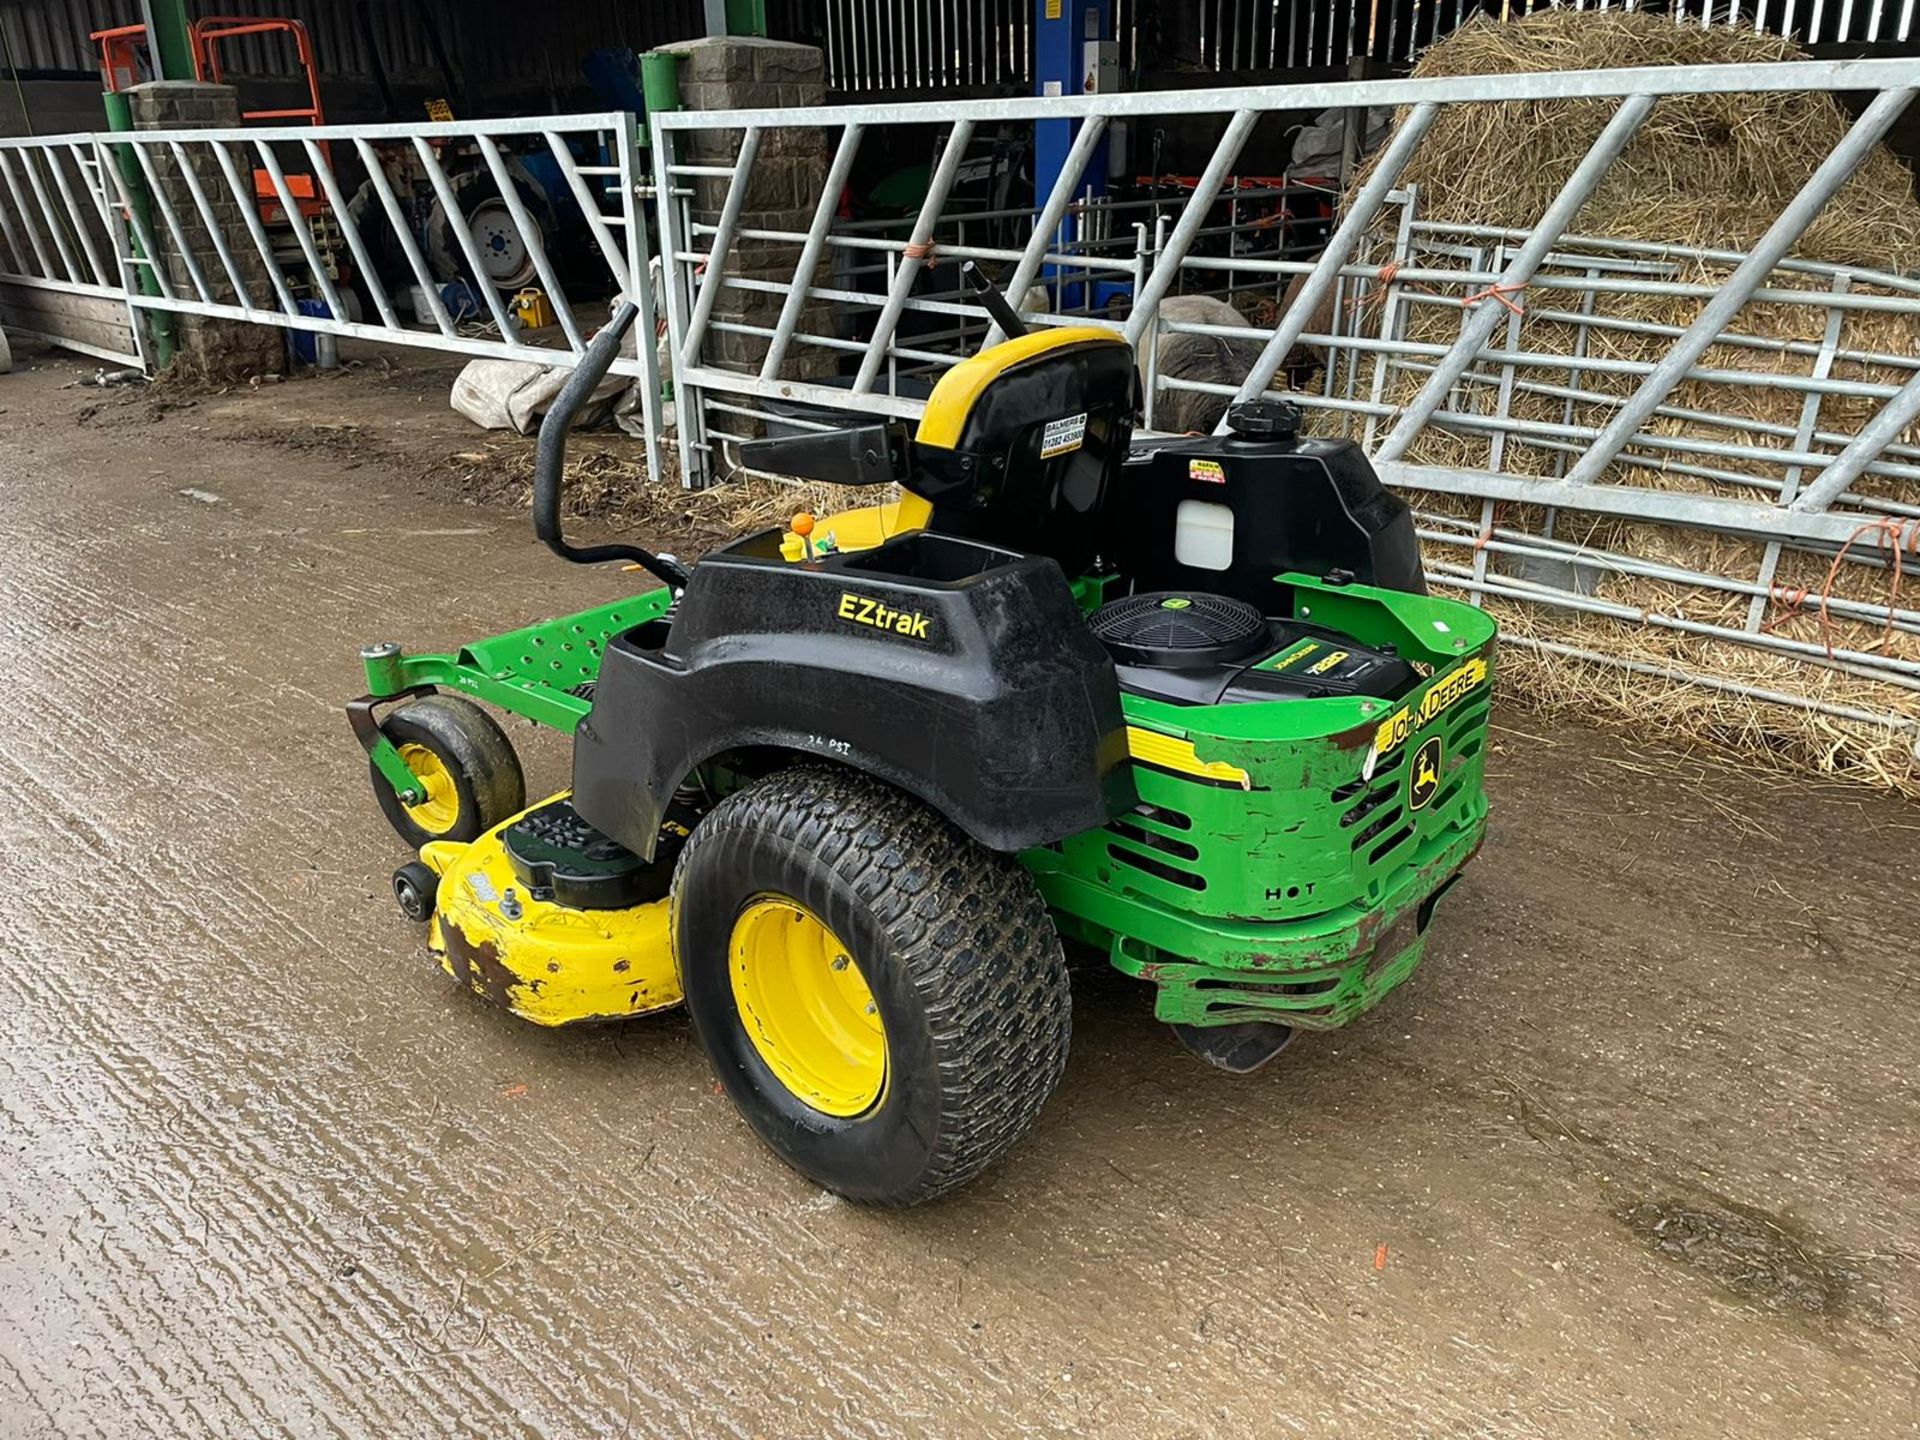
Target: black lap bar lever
550,459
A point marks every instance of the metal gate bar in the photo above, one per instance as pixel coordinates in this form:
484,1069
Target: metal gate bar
57,240
207,251
1604,423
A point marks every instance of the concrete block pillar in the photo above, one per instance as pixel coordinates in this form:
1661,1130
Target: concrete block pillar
727,72
208,349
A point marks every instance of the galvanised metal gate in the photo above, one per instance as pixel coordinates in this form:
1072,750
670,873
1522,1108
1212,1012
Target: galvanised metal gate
1797,490
257,225
61,238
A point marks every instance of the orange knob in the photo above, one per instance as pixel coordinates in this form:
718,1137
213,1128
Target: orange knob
803,524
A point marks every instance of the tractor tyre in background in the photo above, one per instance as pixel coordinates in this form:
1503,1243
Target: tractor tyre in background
465,763
884,1000
507,262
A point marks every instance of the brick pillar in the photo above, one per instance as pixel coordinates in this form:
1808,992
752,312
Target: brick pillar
738,72
208,348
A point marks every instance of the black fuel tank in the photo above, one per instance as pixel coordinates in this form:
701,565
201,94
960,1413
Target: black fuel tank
1314,506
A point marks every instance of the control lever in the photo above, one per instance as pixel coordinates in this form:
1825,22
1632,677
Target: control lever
550,460
1003,313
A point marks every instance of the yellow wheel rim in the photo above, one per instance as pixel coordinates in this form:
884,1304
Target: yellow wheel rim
806,1007
437,813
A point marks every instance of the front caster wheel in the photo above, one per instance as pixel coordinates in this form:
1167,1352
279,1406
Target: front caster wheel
885,1001
468,777
416,887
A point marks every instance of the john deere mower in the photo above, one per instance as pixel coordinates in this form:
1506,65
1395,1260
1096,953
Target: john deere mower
844,790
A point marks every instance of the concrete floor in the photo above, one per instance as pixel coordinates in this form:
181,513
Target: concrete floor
1634,1155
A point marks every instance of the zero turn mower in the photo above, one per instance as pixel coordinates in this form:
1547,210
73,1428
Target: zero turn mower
845,790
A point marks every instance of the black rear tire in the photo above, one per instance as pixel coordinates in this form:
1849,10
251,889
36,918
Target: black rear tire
953,941
478,782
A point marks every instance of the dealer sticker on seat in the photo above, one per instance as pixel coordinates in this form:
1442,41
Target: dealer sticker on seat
1061,436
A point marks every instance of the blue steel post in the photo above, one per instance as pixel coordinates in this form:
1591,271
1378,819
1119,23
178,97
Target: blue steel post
1062,30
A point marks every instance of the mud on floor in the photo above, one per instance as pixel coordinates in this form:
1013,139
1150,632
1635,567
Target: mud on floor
1633,1154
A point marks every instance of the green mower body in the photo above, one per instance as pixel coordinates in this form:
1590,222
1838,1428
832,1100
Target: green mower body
1190,696
1284,859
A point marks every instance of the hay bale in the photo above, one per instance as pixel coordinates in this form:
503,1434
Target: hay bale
1709,172
1705,170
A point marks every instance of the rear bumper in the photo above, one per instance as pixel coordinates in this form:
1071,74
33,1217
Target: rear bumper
1318,973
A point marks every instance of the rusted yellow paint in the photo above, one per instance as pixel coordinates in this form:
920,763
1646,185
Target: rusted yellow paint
549,964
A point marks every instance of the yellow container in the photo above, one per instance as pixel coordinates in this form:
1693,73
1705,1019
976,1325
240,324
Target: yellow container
533,309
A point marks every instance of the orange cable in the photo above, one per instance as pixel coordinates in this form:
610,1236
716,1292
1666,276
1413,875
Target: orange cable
1898,538
1496,292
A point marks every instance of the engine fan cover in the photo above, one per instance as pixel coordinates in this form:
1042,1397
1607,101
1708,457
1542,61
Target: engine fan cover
1175,630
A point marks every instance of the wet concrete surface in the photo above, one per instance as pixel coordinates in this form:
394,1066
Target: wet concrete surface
1633,1155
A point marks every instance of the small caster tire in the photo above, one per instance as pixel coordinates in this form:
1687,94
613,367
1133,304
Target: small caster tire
465,765
416,887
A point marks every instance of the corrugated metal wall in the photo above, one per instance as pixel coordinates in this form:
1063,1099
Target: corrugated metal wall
47,36
885,45
488,41
875,46
899,46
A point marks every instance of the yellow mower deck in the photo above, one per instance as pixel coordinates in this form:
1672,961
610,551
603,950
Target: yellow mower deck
547,963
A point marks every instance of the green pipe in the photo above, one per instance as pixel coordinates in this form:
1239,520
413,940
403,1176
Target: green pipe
159,322
659,85
747,17
171,39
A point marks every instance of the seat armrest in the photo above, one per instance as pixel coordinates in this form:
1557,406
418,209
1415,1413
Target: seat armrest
865,455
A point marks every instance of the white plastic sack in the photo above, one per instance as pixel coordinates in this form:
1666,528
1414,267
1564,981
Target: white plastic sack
513,394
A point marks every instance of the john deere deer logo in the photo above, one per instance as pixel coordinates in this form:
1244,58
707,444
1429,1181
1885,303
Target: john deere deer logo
1424,783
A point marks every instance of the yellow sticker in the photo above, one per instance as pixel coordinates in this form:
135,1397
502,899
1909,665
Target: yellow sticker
1446,692
1053,9
1207,470
439,111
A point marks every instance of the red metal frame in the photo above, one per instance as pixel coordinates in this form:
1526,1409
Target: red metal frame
119,69
208,33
